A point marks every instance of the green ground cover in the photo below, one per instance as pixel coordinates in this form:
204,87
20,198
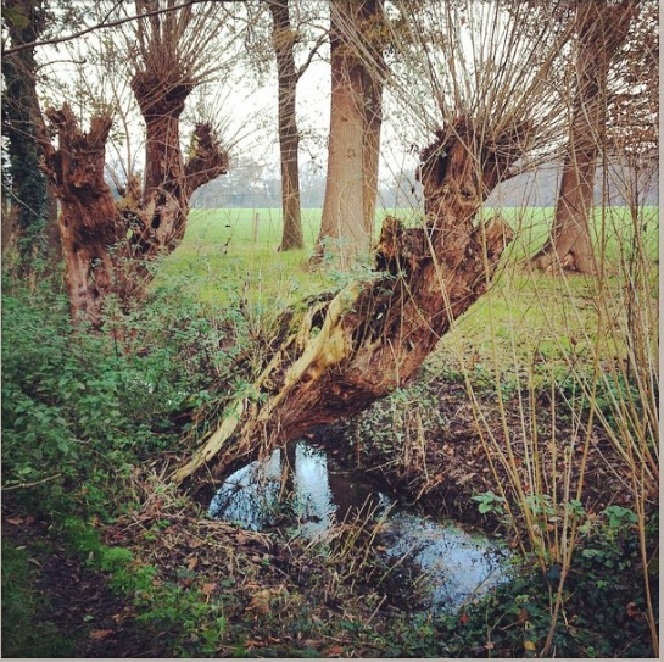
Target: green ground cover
84,423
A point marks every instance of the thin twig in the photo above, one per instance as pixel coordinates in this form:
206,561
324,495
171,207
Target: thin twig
24,485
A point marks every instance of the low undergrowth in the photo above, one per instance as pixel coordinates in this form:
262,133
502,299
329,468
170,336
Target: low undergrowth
604,611
544,437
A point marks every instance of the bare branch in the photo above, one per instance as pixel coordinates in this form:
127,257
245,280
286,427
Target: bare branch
312,53
101,26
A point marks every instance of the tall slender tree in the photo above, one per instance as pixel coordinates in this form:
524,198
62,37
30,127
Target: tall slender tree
354,137
21,116
601,30
283,40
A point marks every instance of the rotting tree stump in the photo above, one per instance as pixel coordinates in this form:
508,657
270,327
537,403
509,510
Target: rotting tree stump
375,333
108,243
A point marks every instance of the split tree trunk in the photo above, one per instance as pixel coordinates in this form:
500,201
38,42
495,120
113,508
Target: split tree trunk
105,243
355,119
372,336
283,38
603,29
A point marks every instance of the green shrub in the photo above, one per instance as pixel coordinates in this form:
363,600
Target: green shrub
604,608
80,410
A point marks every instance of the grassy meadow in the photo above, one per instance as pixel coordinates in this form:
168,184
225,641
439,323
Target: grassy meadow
526,317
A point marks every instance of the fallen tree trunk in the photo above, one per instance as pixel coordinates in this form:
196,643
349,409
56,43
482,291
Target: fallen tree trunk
373,335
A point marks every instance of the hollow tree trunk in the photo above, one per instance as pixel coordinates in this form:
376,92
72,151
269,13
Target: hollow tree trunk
603,29
164,193
106,244
283,38
372,336
352,176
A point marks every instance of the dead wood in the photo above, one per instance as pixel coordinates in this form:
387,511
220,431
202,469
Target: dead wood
374,334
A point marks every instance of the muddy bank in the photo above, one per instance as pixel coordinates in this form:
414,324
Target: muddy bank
431,453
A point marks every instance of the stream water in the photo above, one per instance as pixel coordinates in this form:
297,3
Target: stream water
304,489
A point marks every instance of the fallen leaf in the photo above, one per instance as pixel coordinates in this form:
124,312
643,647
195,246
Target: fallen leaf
208,589
97,635
335,651
192,562
14,520
632,610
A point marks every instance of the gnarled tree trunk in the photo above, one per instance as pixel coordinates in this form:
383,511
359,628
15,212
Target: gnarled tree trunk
105,243
372,336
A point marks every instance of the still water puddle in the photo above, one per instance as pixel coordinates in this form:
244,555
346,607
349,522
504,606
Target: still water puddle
304,489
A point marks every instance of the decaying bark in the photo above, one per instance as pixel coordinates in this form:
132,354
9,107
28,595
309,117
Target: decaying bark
107,243
373,335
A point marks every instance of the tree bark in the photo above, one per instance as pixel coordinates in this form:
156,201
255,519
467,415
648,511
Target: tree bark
165,193
283,39
371,337
21,119
355,117
603,29
105,243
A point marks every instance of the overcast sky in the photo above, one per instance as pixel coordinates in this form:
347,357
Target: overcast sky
247,105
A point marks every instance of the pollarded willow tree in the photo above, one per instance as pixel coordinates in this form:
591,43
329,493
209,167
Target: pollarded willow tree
107,243
484,107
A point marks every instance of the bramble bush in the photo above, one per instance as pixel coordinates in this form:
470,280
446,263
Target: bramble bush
80,410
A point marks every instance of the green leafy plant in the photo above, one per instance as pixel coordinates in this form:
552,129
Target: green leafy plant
490,503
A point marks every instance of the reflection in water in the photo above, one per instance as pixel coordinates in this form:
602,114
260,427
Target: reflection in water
458,565
313,494
305,485
250,496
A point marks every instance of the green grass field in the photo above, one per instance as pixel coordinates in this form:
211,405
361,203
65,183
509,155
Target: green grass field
225,255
